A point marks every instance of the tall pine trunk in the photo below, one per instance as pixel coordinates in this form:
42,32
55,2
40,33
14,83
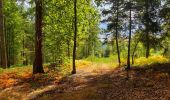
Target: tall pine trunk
117,44
38,63
147,30
75,37
2,38
130,31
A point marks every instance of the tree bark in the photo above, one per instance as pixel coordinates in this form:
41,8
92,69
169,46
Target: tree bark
117,44
147,31
38,63
2,38
75,37
129,43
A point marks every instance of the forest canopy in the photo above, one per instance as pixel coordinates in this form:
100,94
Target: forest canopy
69,29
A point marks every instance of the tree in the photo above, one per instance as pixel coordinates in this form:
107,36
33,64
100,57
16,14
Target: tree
165,37
59,29
38,63
2,38
114,20
150,20
75,37
135,43
117,19
130,32
132,7
147,31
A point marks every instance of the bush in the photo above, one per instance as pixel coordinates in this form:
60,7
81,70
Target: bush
151,60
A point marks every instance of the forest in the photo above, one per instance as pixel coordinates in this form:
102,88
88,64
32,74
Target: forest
84,49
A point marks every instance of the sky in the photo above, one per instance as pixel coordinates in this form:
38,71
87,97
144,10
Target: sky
103,25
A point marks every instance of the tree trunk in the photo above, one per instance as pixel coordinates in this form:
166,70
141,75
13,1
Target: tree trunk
134,52
129,43
38,64
117,44
23,52
6,42
75,37
147,31
2,38
166,49
68,48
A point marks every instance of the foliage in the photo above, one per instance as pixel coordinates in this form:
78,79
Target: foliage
151,60
59,28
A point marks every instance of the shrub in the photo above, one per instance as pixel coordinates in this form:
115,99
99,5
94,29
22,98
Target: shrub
151,60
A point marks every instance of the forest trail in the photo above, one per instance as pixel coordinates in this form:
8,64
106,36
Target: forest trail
94,69
106,83
78,81
95,82
26,87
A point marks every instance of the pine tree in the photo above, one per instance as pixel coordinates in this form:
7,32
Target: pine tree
2,38
38,63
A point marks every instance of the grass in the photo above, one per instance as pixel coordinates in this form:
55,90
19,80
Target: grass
112,60
65,69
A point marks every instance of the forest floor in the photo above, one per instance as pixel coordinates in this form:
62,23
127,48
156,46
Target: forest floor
96,82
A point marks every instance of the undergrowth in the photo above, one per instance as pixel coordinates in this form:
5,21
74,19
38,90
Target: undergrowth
151,60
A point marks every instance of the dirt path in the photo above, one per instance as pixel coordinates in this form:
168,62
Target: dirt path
29,87
96,82
106,83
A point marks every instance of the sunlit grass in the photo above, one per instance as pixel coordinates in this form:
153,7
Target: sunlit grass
63,69
90,62
102,59
67,67
112,60
137,62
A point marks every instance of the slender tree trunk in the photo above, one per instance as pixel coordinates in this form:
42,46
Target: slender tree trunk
134,52
75,37
38,64
6,42
0,58
12,53
166,49
93,49
112,44
147,31
117,44
68,48
129,43
23,52
2,38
